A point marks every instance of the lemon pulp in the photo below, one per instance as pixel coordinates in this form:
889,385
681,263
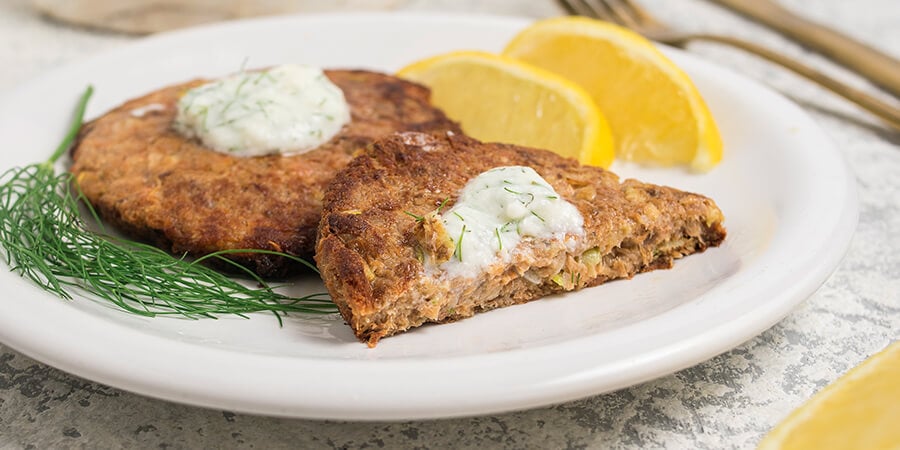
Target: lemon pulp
500,99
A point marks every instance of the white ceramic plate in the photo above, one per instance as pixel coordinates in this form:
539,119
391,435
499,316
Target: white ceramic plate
787,196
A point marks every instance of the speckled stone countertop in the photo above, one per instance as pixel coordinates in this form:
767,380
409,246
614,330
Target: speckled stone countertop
730,401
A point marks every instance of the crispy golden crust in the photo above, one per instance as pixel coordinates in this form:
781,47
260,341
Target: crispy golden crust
158,186
370,251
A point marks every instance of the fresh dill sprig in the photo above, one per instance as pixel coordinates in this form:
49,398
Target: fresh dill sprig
44,239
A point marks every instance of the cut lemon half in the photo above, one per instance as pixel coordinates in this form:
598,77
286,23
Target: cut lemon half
656,114
859,410
500,99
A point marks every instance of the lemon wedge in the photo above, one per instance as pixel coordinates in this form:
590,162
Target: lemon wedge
500,99
859,410
656,114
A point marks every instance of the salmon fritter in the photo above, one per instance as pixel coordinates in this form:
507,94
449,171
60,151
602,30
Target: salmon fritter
381,248
158,186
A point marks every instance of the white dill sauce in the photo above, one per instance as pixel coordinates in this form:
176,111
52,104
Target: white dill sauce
287,109
498,208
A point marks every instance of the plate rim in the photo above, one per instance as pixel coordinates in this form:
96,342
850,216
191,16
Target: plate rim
667,359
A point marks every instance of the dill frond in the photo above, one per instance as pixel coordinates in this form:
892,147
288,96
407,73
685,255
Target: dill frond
44,239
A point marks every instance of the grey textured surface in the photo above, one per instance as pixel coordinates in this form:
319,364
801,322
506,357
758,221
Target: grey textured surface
727,402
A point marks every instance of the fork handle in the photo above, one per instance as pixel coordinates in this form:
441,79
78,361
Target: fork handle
866,61
888,113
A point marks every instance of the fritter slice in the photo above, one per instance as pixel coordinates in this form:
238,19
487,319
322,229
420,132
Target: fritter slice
160,187
374,255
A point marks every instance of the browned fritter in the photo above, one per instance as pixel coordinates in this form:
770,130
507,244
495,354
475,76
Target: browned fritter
374,256
158,186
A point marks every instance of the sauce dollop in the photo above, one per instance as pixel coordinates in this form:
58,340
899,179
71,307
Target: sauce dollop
496,210
287,109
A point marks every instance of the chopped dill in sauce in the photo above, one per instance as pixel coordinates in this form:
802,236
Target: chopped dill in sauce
497,209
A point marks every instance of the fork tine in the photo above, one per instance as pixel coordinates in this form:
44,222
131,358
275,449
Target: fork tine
569,7
575,7
639,14
588,9
622,10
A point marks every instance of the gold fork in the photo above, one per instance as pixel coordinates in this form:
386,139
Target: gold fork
626,13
